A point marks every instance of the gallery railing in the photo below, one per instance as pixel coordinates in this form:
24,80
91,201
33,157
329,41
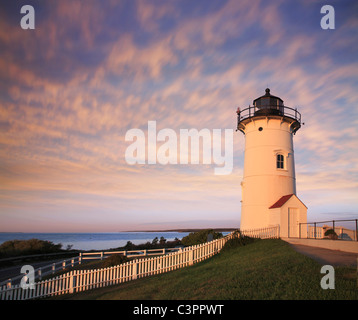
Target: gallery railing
268,110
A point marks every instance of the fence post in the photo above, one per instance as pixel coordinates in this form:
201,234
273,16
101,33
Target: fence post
102,255
80,258
8,293
53,268
134,270
191,257
72,278
39,272
278,232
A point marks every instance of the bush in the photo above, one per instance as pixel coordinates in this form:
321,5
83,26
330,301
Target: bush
14,248
129,246
114,260
199,237
237,242
156,243
331,234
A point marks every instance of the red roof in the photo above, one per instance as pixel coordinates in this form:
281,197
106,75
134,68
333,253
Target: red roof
281,201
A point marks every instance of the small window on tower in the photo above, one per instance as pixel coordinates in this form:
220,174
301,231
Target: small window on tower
280,161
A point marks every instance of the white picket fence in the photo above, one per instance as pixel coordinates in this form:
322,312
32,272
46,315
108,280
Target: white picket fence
263,233
52,268
82,280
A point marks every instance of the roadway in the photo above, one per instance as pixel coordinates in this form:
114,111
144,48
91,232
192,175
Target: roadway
14,271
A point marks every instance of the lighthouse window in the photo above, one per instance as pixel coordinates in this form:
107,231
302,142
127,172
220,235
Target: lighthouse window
279,162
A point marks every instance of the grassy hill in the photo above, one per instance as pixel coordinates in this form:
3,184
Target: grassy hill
265,269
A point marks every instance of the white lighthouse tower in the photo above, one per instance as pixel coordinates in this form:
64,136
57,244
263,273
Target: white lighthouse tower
269,184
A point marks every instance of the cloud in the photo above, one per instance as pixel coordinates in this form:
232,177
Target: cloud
92,71
126,59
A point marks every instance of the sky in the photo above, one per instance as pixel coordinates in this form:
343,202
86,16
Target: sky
90,71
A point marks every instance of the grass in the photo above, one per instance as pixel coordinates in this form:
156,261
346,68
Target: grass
265,269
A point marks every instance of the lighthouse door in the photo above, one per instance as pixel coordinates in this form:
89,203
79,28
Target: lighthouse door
292,222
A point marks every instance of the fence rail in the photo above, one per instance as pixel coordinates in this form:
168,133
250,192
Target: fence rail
100,255
82,280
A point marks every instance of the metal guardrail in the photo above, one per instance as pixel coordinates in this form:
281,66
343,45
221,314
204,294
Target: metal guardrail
46,270
313,231
34,256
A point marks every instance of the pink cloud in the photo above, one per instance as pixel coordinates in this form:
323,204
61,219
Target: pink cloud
126,58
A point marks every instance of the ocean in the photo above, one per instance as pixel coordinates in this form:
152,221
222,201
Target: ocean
93,241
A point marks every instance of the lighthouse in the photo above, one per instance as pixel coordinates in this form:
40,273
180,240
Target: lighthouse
269,196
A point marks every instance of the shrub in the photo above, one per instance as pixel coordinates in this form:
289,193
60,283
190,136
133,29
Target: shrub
331,234
13,248
114,260
237,242
201,236
129,246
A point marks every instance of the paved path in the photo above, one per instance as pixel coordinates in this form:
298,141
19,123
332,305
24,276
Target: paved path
327,256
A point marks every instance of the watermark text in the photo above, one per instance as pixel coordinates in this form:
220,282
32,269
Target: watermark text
165,147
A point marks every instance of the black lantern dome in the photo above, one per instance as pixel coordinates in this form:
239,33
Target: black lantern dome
270,107
268,104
